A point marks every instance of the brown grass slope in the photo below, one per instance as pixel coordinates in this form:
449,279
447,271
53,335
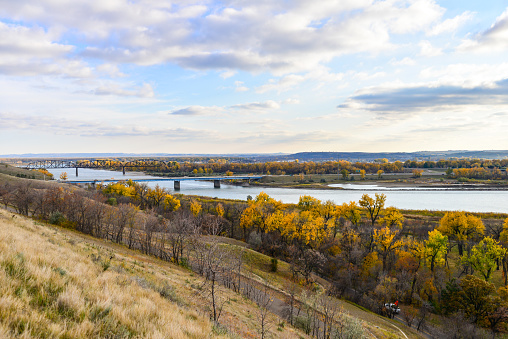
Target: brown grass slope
55,283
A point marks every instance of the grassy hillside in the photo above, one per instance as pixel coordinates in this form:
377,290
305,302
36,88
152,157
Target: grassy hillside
20,172
55,283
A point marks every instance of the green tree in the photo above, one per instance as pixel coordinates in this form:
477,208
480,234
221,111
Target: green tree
345,174
435,249
475,297
484,256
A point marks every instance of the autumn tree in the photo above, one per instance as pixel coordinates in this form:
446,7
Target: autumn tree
475,294
195,207
461,227
373,206
436,248
362,174
484,256
392,218
386,243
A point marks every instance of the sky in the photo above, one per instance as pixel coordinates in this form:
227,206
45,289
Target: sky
243,76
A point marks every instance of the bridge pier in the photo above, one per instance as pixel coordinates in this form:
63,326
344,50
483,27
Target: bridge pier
76,171
177,185
123,170
216,184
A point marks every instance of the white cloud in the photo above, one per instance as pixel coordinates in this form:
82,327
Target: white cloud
29,51
145,91
279,37
407,61
466,75
493,39
198,110
427,50
284,84
257,106
239,87
451,25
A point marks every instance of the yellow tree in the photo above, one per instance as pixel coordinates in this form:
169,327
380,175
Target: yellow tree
362,174
373,206
63,175
461,228
351,212
435,249
310,230
195,207
257,212
171,203
386,243
156,195
308,203
392,218
220,210
282,222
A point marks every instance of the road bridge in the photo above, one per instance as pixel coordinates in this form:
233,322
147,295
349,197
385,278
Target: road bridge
216,180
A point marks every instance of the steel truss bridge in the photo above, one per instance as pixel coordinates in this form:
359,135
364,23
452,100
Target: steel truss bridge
99,164
140,165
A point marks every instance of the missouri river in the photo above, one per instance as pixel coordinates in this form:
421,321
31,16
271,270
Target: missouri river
410,198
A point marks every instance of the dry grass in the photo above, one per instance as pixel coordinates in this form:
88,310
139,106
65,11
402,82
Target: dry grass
55,283
15,171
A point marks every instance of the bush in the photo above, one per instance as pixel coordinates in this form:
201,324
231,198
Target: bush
254,239
56,218
112,202
273,264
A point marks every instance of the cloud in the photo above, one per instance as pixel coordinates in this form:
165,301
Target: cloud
29,51
407,61
427,50
215,110
58,126
239,87
257,106
261,36
493,39
145,91
396,103
197,110
281,85
451,25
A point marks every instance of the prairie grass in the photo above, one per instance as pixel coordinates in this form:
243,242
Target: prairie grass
52,290
57,283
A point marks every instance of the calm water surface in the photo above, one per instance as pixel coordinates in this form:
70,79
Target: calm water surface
435,199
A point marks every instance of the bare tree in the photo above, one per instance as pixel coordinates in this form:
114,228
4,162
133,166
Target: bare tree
263,298
215,259
329,309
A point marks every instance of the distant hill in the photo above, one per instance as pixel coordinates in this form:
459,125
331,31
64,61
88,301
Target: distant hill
401,156
302,156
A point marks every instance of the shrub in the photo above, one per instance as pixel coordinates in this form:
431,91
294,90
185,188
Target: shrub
273,264
56,218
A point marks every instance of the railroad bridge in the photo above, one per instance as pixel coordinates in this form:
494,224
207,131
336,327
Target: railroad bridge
139,165
99,164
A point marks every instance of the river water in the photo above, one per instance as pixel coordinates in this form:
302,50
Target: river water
409,198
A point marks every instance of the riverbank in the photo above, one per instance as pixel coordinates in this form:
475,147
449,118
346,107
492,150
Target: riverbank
397,181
